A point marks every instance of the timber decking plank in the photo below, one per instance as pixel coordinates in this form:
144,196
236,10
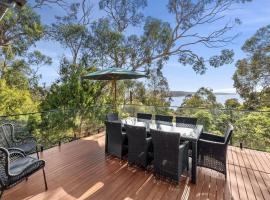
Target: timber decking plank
206,186
79,170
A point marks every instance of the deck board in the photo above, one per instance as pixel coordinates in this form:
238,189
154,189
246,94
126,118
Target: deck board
80,171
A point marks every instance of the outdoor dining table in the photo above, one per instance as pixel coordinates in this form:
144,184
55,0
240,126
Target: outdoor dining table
188,133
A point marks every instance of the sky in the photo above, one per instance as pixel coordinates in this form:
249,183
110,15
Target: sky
253,15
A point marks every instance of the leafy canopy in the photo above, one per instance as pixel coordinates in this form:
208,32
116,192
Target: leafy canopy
252,76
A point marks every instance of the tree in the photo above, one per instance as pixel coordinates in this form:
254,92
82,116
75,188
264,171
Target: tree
161,40
41,3
71,30
19,31
204,97
232,103
124,12
203,105
205,118
252,76
253,130
79,101
15,101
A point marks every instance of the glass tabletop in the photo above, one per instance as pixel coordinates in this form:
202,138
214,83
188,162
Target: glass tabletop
186,132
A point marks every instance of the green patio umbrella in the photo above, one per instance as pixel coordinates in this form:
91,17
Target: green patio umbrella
113,74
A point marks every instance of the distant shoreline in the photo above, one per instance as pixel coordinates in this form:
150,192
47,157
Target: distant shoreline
185,93
177,101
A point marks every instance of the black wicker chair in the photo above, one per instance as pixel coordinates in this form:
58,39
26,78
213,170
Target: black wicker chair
164,118
112,117
16,166
188,122
8,140
116,139
170,156
139,146
144,116
212,150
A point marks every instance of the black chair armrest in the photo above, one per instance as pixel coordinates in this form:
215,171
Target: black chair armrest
124,138
183,148
148,140
213,144
4,153
183,155
212,137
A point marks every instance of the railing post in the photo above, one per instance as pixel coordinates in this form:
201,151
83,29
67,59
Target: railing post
241,145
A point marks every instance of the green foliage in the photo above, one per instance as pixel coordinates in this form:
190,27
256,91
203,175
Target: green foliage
203,98
69,31
251,77
232,103
254,130
15,101
125,12
75,97
19,29
205,118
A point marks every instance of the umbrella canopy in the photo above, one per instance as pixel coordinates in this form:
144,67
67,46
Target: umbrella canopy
114,74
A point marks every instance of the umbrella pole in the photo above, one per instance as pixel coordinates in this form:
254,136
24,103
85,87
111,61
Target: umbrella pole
114,88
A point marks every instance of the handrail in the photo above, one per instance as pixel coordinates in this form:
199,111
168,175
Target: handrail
202,108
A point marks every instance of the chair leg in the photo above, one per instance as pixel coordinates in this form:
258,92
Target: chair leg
1,193
45,180
37,152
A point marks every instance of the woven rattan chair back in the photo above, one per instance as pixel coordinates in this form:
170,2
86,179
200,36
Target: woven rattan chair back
8,131
3,141
115,138
186,121
136,135
144,116
112,117
166,152
164,118
137,145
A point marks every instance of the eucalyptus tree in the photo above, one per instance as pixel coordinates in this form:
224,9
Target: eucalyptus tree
20,29
252,75
111,43
161,40
71,30
106,41
204,98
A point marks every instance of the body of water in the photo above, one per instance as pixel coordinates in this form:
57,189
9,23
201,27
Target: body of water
177,101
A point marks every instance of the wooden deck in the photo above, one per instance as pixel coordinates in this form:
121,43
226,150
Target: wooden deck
79,170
